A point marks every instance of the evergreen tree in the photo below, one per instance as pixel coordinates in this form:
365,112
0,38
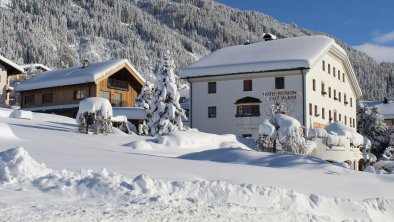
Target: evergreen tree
165,113
371,125
145,96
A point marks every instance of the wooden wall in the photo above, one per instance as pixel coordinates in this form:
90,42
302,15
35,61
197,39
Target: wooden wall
128,97
61,95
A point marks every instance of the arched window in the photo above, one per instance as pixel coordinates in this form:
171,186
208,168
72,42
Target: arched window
247,106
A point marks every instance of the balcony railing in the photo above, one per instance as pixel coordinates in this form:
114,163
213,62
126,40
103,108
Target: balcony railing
118,84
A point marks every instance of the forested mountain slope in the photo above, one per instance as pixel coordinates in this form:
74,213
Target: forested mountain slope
61,33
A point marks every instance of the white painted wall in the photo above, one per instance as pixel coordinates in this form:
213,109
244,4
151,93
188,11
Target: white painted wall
323,101
228,90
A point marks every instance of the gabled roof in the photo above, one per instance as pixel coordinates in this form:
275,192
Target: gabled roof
386,110
36,66
11,67
75,75
282,54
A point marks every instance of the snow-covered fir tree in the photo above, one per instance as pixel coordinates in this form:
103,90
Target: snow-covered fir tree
143,101
144,98
371,125
165,113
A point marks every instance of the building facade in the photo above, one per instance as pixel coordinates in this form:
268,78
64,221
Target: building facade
234,89
9,72
60,91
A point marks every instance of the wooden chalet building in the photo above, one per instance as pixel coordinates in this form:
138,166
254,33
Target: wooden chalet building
60,91
9,71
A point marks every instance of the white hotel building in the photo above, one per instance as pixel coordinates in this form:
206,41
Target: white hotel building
229,88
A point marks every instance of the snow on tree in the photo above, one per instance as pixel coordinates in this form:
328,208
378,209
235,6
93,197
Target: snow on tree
94,114
165,113
288,131
145,96
371,125
143,101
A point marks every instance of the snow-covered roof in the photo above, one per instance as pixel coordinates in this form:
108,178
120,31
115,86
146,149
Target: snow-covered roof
282,54
136,113
74,75
386,110
36,66
11,64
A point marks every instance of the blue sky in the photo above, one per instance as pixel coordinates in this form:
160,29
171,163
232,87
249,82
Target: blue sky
365,24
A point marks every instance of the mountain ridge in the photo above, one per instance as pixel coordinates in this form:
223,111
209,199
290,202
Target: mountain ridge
61,33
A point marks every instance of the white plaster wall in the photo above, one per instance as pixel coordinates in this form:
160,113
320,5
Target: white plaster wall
228,90
316,98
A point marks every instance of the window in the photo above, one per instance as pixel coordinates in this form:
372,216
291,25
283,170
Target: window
333,71
335,94
324,65
106,95
117,84
329,69
343,77
47,98
29,99
248,110
247,106
80,94
351,102
345,120
279,82
323,90
314,84
344,99
310,109
340,117
339,74
339,96
354,124
316,112
182,99
329,115
212,112
118,99
329,92
335,115
211,87
248,85
323,113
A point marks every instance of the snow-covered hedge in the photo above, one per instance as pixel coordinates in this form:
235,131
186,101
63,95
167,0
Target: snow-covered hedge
95,105
337,128
16,113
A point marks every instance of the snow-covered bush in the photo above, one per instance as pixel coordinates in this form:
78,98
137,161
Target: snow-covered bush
94,114
165,113
371,125
285,130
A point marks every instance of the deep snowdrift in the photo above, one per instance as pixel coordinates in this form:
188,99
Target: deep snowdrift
170,199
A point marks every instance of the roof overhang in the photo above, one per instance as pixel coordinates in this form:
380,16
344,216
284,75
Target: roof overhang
12,68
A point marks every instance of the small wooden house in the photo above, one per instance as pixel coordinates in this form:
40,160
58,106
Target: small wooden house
60,91
9,71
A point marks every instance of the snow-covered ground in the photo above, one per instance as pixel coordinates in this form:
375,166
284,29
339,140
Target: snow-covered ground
50,173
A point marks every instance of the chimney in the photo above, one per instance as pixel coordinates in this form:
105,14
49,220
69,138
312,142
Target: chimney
85,63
